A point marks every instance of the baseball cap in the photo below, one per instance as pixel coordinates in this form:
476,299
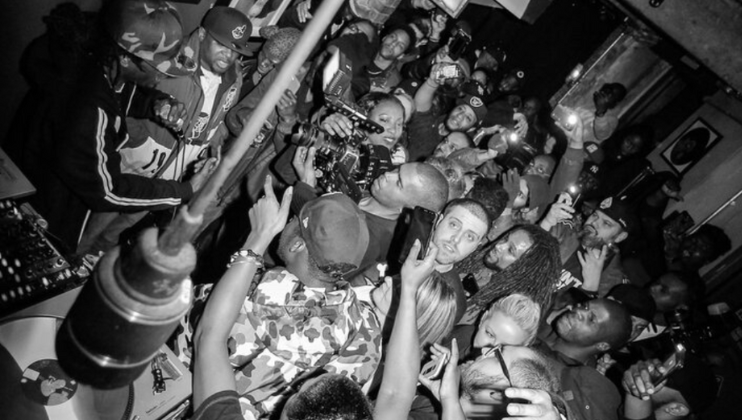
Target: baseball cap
477,105
229,27
617,209
637,300
335,231
148,29
592,168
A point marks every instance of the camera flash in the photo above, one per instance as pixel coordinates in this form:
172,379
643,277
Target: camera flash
572,189
513,137
572,119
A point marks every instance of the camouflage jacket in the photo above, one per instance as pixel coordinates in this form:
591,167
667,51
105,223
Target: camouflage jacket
285,329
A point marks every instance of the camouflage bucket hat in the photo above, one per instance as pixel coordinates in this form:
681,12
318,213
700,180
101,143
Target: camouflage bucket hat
148,29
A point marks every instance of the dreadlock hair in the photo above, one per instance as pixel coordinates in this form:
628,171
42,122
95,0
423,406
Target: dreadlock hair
534,274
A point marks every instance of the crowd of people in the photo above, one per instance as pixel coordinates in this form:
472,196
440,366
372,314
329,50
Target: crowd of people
541,290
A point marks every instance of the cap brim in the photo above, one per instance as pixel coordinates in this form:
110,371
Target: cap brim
239,49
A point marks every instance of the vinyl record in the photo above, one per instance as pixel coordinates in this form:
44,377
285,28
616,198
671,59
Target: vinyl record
34,387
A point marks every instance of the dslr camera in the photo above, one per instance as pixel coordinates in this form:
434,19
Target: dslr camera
344,164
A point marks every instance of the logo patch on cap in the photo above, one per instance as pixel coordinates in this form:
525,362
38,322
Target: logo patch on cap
305,222
607,203
239,32
592,148
476,102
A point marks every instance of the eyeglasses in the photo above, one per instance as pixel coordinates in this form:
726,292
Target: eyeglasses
497,353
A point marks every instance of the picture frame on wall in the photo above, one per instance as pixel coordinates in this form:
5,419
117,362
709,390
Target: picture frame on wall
690,146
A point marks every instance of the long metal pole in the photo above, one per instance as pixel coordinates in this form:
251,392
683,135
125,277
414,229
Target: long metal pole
180,230
714,214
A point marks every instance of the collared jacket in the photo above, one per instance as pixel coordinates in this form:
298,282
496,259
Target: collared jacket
149,149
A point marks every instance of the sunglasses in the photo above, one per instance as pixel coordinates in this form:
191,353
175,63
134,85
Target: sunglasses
497,353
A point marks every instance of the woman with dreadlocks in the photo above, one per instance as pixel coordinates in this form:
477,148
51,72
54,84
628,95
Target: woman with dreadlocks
524,260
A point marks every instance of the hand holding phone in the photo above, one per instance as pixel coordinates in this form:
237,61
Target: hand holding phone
449,71
565,117
421,227
646,377
673,363
434,368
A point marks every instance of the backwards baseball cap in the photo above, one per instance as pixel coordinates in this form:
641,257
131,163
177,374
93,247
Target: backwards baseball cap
229,27
335,232
618,210
148,29
476,104
637,300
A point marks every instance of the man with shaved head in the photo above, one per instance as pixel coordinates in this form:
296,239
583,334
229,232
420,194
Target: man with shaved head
407,186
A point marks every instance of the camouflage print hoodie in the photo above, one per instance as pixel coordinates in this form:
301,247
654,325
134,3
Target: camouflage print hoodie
285,329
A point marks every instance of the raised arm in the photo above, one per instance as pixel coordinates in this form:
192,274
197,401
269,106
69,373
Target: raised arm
213,372
403,355
426,92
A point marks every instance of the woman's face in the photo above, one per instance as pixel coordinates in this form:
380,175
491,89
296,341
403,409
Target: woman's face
389,115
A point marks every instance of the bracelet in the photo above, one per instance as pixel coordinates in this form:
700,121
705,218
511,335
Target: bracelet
246,256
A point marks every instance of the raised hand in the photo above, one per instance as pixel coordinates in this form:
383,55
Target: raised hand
448,385
338,125
267,216
559,211
521,124
592,261
511,183
303,164
415,271
302,11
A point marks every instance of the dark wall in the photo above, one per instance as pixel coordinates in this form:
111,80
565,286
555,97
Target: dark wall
566,34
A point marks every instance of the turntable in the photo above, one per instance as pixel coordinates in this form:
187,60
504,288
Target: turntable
34,387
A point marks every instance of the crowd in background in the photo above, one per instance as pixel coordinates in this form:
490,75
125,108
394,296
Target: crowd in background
546,283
